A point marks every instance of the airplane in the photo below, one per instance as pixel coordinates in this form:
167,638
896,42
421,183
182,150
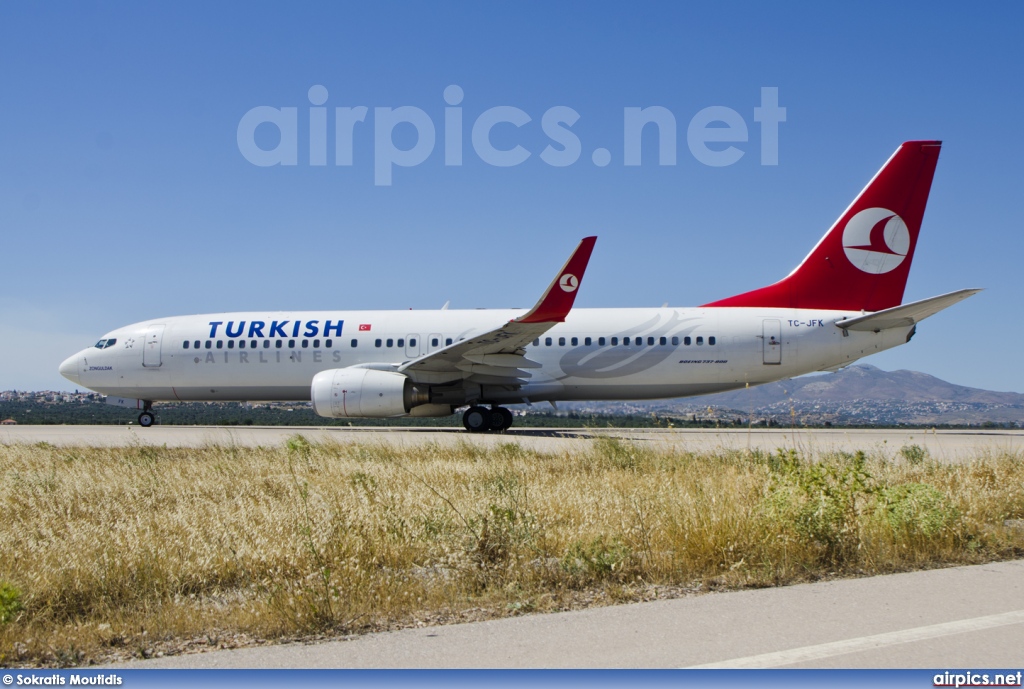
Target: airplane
841,303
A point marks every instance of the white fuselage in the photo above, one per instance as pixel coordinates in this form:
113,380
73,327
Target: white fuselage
274,356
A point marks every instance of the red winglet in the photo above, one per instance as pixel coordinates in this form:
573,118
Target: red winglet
554,306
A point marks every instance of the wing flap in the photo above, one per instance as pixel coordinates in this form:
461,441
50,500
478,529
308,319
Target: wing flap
905,315
501,371
507,360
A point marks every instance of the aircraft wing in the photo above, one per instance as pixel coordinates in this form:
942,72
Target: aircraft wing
499,356
906,314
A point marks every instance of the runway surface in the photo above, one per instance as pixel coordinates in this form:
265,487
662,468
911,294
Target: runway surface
964,617
943,445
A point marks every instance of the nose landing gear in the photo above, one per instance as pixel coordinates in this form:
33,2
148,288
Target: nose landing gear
479,419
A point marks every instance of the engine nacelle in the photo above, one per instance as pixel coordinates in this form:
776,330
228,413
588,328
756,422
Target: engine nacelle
342,393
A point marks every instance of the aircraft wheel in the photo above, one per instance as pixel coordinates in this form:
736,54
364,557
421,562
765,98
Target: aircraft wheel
506,419
477,420
146,419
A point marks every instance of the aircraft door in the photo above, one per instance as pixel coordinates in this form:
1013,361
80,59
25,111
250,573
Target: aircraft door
412,346
434,341
151,349
771,341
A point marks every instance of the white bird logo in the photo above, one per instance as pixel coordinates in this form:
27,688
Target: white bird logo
876,240
568,282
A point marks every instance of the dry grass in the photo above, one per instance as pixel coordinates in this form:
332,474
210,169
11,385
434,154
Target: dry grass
132,551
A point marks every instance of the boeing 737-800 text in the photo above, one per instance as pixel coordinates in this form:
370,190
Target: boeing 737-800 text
843,302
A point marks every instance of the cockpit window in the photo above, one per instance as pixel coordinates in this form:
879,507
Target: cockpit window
103,344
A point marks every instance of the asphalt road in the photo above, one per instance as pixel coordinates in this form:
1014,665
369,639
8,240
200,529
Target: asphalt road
964,617
943,445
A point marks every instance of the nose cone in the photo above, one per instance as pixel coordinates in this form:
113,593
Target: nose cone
69,369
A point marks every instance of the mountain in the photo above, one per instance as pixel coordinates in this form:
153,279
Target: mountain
864,382
856,394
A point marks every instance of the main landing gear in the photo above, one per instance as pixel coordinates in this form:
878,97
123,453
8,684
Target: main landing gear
147,418
483,420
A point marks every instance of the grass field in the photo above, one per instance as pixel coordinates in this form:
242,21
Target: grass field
116,552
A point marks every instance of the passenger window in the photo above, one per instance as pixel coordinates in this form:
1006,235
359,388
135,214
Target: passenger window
220,344
391,342
615,341
650,340
447,341
291,344
686,340
574,341
185,345
561,342
711,340
600,341
401,342
587,341
547,341
279,344
241,344
536,343
700,340
327,343
266,344
412,342
625,341
316,344
195,345
376,343
663,341
434,342
252,344
209,344
305,344
675,339
355,343
231,344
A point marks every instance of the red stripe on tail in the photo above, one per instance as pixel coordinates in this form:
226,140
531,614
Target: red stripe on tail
863,261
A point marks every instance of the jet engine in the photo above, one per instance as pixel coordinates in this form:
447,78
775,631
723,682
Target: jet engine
365,393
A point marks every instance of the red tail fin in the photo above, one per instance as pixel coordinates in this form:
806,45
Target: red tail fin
863,261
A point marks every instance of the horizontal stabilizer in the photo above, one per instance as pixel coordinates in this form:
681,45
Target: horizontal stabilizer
905,315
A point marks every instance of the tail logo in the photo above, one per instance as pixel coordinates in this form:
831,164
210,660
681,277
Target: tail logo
876,240
568,282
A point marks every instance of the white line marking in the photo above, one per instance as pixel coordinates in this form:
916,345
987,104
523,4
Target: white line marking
865,643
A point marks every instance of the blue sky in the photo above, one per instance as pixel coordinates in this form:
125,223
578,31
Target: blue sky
125,195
